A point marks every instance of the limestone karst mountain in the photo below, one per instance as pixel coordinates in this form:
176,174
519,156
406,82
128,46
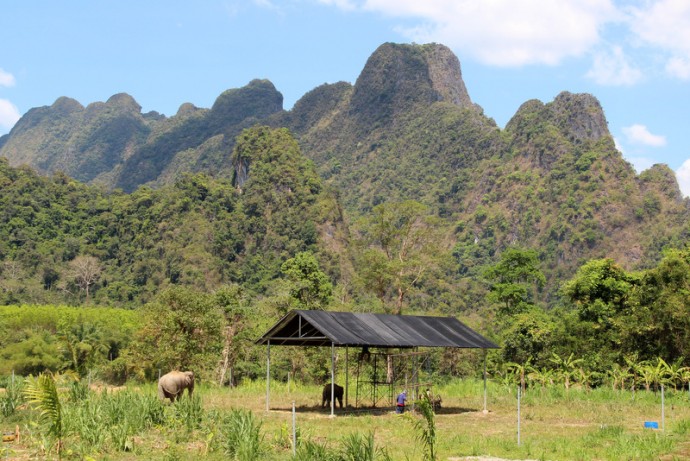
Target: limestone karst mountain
407,129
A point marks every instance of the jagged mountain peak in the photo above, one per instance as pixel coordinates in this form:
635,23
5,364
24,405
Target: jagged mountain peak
257,91
186,108
65,106
578,116
124,101
397,77
661,177
581,114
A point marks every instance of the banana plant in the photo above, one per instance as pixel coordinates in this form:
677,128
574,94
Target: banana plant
543,376
673,371
521,371
566,367
653,374
619,375
41,393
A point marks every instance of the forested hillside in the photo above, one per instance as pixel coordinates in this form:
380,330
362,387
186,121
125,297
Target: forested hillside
64,241
405,145
396,194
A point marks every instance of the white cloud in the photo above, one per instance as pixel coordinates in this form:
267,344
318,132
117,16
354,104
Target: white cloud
347,5
640,135
8,114
6,79
614,69
679,68
501,32
665,24
683,177
269,5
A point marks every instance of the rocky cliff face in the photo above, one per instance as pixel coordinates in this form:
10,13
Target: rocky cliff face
189,131
83,142
406,129
397,78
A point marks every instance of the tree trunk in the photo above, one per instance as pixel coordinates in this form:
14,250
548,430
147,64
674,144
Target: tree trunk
225,358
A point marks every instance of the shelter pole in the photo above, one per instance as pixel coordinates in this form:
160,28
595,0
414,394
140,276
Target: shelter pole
268,372
332,380
347,374
485,354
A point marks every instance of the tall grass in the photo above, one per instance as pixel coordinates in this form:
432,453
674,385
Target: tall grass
358,447
230,423
309,450
241,436
13,396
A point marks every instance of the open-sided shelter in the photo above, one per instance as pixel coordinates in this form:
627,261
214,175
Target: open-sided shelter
353,329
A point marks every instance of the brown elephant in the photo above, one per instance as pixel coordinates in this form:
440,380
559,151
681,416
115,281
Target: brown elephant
172,385
326,395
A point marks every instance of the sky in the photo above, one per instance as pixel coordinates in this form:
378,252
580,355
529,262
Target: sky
632,55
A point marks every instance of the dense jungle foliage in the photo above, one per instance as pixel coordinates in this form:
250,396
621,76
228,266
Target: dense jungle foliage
210,264
396,194
407,130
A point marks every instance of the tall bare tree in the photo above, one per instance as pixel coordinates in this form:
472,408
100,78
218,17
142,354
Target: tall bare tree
85,270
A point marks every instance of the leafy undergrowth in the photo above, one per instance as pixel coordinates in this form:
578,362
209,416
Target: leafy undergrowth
232,423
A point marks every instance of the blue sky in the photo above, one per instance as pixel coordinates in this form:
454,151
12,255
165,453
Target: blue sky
633,55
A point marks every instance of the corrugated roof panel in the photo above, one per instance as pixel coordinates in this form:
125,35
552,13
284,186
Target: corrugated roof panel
321,328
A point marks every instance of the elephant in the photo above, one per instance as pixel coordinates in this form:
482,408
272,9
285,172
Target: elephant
326,395
172,385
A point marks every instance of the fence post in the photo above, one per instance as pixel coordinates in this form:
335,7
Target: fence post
663,426
294,431
518,416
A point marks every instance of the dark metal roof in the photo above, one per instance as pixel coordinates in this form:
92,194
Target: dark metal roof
321,328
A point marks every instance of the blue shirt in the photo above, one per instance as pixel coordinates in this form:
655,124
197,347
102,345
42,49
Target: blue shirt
402,398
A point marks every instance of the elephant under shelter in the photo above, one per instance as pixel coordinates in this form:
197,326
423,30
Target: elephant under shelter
382,332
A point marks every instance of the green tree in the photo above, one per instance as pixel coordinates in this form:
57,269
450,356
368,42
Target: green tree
514,280
528,336
600,290
310,287
604,297
83,344
660,325
401,243
238,329
181,329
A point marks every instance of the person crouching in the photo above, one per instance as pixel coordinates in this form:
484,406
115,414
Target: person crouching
400,402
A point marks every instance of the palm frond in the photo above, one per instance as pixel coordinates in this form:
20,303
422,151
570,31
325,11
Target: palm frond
41,392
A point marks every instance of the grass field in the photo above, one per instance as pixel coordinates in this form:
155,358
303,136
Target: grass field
555,424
